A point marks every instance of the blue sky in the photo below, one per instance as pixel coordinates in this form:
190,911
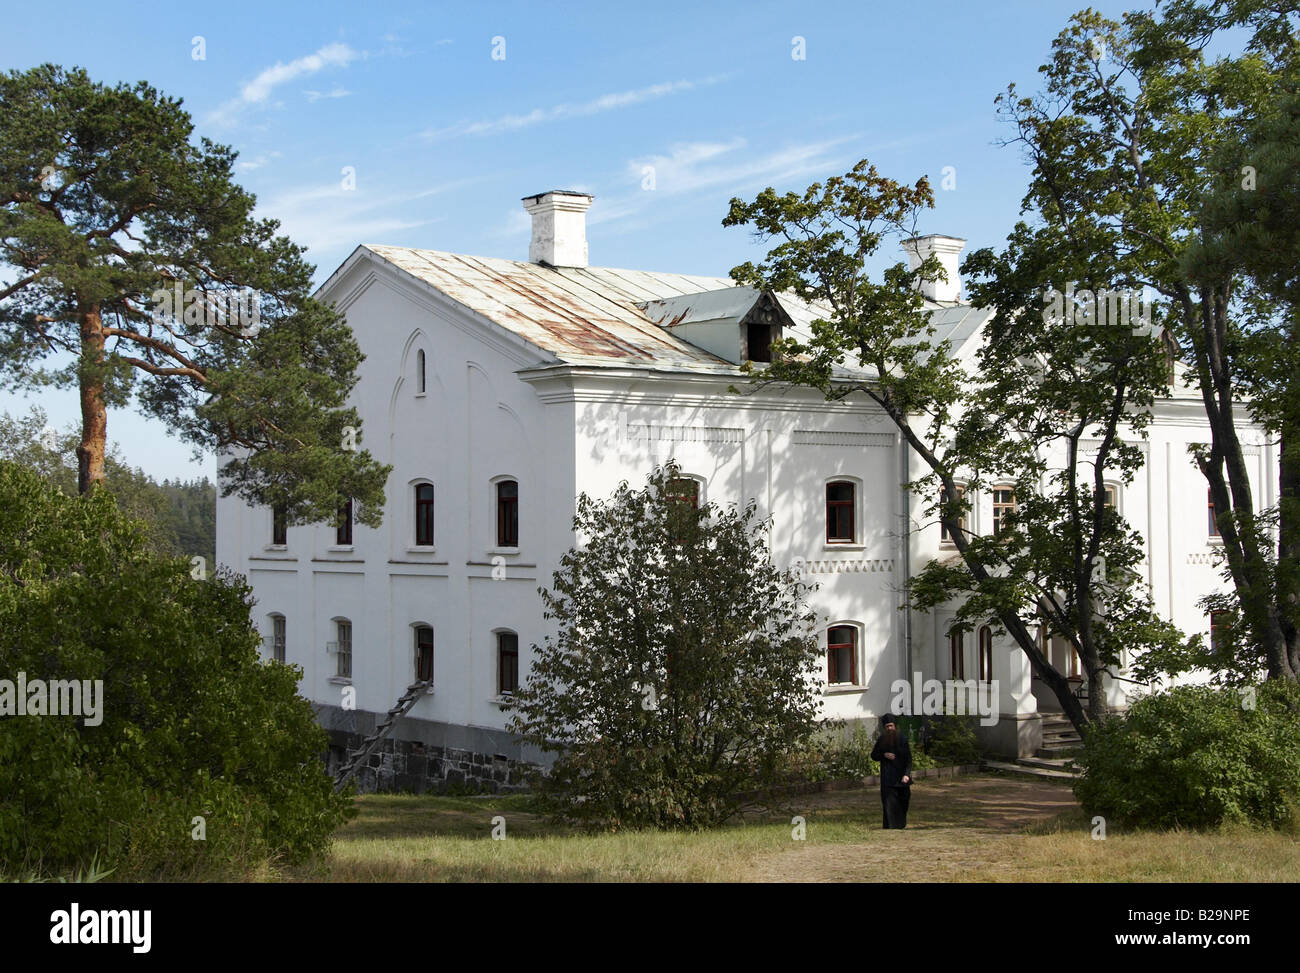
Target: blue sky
443,139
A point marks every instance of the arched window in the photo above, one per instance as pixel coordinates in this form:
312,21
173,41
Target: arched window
507,513
419,372
277,637
842,655
424,514
507,663
423,653
986,654
685,490
841,497
957,654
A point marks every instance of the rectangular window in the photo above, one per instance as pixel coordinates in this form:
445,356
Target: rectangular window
1004,504
277,638
508,514
842,655
424,515
1214,524
423,653
1112,497
839,512
345,650
279,525
507,663
961,521
343,536
1219,631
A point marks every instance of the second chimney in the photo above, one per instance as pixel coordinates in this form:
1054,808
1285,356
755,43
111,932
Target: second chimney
946,248
559,228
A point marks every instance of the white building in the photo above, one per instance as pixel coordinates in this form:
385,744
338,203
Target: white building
499,390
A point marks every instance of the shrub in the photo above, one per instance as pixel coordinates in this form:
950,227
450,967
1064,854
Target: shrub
1197,756
194,724
683,669
951,741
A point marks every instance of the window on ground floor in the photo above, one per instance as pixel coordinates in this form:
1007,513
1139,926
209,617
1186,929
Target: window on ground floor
842,655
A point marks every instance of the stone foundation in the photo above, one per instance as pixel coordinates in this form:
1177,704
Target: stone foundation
421,756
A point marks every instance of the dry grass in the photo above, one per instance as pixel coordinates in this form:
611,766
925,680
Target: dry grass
986,828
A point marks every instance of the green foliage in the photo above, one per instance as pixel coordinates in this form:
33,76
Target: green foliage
950,741
181,517
194,724
684,666
1197,756
108,205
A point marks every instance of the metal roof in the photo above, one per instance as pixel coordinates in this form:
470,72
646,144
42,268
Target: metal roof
608,316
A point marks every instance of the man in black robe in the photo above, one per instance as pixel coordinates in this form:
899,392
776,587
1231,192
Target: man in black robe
895,758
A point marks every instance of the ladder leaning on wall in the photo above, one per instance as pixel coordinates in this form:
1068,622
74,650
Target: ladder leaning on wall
371,743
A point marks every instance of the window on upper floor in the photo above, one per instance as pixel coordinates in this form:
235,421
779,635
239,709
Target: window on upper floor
758,342
683,492
424,514
419,372
944,536
1004,505
423,653
343,533
279,525
1112,496
841,497
1214,523
507,513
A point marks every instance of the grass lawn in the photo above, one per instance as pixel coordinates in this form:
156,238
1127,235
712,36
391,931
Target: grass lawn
986,828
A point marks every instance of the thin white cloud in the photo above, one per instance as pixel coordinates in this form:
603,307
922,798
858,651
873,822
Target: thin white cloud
258,90
318,95
257,162
538,116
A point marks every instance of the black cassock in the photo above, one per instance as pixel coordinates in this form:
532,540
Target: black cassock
894,794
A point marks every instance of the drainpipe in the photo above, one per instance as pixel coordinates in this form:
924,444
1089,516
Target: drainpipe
904,463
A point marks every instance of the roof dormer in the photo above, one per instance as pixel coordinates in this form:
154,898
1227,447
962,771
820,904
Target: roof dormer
738,324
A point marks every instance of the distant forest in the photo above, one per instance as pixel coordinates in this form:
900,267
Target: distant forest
181,516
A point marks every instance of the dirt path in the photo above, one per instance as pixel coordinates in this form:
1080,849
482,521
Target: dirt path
954,827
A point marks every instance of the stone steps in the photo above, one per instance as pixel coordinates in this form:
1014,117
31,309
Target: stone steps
1021,767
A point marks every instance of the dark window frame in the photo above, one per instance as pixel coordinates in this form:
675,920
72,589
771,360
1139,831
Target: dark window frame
507,514
836,649
1214,523
279,636
423,660
835,511
957,654
424,515
279,525
984,664
507,663
343,533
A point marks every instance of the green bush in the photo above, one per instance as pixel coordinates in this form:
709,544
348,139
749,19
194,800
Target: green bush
194,724
951,741
1197,756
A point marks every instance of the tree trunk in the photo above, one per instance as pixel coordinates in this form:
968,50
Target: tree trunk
94,414
1288,584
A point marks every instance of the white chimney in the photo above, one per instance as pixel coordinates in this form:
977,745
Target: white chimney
559,228
946,248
